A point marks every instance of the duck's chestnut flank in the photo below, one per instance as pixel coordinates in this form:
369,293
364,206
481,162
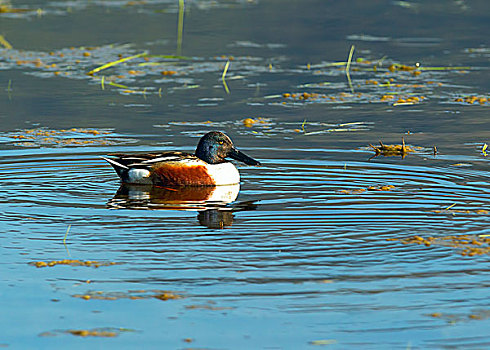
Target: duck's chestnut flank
178,175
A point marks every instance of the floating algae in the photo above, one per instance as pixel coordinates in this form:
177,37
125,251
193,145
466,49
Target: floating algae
63,137
131,295
370,188
470,245
72,262
105,332
392,150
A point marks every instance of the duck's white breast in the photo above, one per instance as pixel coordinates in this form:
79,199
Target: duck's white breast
138,176
223,173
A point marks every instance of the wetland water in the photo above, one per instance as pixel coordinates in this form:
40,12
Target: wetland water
317,250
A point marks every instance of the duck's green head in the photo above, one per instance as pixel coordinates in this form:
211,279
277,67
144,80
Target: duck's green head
215,146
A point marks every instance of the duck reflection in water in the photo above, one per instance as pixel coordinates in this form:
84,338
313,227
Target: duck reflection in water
211,202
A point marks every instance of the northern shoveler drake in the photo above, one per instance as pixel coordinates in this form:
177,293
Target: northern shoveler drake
207,167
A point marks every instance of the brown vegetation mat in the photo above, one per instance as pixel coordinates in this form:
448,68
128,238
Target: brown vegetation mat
470,245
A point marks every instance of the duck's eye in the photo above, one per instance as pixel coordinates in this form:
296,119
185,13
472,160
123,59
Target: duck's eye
220,142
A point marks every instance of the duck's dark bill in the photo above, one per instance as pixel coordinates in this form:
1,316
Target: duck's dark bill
242,157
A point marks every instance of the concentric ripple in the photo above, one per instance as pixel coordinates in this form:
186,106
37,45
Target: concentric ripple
304,237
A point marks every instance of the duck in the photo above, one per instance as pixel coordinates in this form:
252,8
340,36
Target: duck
208,166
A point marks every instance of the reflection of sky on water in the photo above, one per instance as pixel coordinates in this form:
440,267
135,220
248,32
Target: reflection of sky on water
304,257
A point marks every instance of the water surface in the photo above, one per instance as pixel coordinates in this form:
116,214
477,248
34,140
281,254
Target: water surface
303,257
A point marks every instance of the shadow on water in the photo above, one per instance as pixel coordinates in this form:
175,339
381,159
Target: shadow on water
215,204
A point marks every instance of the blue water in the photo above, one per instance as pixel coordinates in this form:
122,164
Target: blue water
300,259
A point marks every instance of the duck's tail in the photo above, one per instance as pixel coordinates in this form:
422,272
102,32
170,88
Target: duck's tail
120,169
115,164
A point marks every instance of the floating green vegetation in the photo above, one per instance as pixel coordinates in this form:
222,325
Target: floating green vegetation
92,332
417,69
73,62
130,72
393,150
105,332
323,342
395,99
370,188
470,245
141,73
132,295
450,210
378,81
113,63
266,127
64,7
456,318
44,137
473,99
6,7
5,43
250,122
347,68
72,262
225,70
